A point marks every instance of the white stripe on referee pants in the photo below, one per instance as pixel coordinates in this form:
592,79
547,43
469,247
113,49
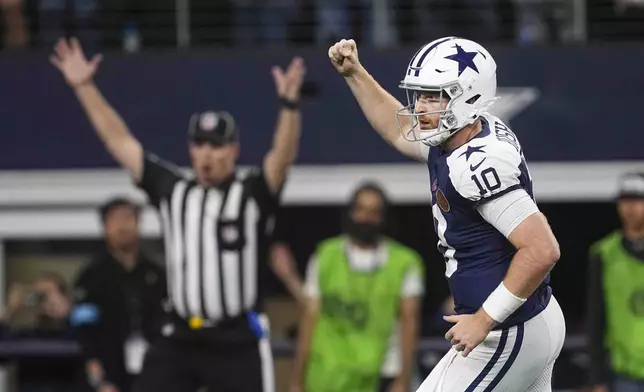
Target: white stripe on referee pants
266,356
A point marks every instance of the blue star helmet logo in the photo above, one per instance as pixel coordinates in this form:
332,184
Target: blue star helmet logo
464,59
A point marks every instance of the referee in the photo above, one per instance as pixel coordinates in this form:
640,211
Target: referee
215,230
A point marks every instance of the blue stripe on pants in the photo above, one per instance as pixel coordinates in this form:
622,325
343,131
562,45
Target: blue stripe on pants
513,355
488,367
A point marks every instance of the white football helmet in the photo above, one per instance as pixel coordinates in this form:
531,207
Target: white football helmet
459,68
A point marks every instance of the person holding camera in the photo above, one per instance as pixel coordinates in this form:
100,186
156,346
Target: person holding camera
40,310
47,296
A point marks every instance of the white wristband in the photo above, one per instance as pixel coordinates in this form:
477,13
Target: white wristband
501,303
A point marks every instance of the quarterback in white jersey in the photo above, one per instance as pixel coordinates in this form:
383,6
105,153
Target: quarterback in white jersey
498,248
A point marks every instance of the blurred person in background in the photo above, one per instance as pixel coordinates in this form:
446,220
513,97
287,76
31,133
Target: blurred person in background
119,302
616,297
45,305
47,297
16,35
216,226
363,290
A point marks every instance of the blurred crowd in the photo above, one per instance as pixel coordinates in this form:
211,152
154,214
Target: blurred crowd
134,24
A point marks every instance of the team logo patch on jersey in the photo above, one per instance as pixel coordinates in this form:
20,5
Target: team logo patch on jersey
441,200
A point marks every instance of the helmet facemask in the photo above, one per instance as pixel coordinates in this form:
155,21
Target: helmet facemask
457,114
447,123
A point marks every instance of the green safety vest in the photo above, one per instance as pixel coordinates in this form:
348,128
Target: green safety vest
623,282
358,312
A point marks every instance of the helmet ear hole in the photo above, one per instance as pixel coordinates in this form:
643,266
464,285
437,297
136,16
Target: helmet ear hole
473,100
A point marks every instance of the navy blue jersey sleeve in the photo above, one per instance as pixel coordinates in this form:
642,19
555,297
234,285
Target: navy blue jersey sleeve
158,178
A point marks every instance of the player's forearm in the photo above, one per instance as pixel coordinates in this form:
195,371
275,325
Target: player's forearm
529,268
527,271
378,106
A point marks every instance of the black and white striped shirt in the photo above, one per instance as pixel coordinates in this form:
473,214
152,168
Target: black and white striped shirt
216,239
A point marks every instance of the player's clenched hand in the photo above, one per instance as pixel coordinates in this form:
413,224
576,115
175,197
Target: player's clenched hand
344,57
69,58
469,330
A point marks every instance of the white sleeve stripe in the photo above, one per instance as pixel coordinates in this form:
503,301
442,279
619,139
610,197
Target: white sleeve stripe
508,211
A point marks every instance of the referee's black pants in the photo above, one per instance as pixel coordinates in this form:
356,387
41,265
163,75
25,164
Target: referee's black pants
185,363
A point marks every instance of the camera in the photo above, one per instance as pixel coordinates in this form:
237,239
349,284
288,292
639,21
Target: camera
33,299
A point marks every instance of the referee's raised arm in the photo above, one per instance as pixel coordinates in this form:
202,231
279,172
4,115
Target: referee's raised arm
287,132
110,127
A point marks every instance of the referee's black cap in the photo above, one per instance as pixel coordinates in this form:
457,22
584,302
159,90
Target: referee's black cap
631,186
216,128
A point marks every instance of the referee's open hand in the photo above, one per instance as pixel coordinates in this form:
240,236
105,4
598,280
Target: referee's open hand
289,83
70,60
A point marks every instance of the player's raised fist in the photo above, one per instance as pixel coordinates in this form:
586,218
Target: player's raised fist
344,56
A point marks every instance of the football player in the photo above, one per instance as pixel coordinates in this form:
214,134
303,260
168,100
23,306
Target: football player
508,329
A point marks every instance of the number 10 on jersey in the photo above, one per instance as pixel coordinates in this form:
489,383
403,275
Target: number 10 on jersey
489,178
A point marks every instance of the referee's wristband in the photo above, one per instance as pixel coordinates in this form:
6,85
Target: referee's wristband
501,303
289,104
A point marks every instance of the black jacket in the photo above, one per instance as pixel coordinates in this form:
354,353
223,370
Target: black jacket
112,302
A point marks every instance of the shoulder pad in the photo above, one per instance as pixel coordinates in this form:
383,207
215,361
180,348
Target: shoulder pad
485,168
